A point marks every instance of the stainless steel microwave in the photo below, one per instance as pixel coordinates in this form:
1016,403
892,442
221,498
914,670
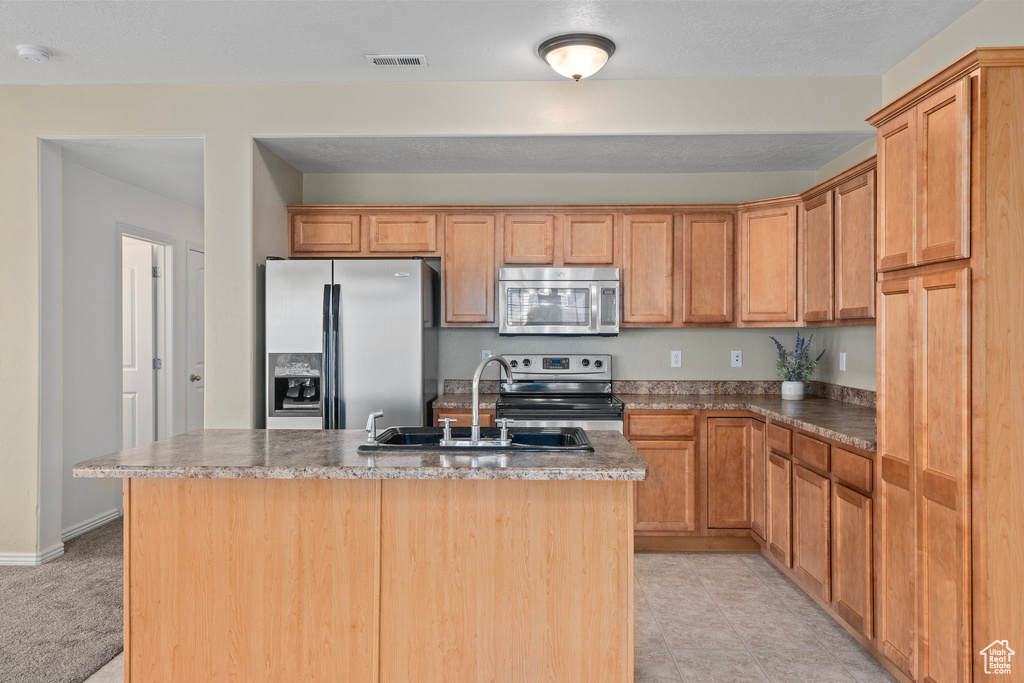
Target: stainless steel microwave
570,301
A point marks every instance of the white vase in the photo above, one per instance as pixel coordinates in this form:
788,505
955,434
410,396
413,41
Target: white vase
793,391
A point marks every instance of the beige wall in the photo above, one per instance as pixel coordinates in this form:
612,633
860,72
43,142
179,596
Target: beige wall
859,345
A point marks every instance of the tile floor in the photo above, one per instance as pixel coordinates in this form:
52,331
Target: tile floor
729,617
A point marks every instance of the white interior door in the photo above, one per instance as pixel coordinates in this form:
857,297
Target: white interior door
138,398
196,334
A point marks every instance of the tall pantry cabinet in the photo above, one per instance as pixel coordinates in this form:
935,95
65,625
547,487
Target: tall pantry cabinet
950,462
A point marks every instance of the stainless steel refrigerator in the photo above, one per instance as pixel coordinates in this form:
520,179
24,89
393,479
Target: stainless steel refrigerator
345,338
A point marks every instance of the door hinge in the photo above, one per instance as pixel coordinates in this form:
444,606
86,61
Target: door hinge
158,364
157,271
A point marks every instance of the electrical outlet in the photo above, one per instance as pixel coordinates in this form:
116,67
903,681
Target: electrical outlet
484,353
842,360
737,359
677,359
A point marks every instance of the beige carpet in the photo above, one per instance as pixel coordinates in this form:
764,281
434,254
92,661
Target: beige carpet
60,622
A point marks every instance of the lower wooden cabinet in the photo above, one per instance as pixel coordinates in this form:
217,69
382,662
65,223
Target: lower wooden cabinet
468,269
728,493
853,590
464,416
812,531
758,480
667,499
780,497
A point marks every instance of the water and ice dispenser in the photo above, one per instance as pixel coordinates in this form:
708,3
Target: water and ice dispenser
294,385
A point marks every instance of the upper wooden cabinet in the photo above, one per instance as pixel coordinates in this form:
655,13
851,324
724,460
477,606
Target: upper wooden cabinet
588,239
767,263
855,248
816,262
648,269
529,239
924,176
468,268
708,257
323,234
402,233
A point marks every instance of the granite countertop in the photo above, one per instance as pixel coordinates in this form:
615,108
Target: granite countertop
332,454
845,423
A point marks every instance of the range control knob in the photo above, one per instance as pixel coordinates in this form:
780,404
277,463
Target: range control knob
514,363
527,362
598,364
585,362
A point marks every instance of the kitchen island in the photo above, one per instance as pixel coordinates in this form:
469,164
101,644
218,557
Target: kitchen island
289,556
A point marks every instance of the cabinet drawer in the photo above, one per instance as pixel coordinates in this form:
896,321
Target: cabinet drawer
811,452
852,469
779,439
661,426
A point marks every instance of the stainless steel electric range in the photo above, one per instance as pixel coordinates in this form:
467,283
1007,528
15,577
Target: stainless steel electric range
564,390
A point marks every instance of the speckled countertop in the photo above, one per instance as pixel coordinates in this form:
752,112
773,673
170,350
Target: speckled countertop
846,423
332,454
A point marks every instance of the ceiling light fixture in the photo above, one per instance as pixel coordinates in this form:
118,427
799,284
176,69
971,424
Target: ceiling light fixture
576,55
33,53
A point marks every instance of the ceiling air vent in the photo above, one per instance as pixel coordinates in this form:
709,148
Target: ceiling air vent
397,60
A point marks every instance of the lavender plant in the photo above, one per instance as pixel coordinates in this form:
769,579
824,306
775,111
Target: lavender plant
797,365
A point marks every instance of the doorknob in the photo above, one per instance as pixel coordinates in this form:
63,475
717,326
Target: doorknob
194,378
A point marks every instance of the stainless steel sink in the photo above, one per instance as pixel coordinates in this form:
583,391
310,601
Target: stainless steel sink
524,439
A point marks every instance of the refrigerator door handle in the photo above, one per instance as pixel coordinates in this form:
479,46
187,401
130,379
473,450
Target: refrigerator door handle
337,392
325,370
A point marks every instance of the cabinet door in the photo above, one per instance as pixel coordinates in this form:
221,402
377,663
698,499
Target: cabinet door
944,164
768,265
529,239
324,234
588,239
812,531
708,258
728,493
464,417
402,233
758,480
469,269
647,274
667,499
944,475
853,594
779,508
897,191
855,248
816,259
894,475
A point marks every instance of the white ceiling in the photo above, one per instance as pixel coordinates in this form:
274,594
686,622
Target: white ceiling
464,40
172,167
565,154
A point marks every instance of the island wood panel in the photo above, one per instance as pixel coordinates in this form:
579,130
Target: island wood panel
468,269
728,489
648,269
667,499
812,531
251,580
852,559
498,580
855,248
944,154
589,239
708,258
943,461
816,258
758,480
896,539
897,191
401,233
780,496
324,234
767,277
529,239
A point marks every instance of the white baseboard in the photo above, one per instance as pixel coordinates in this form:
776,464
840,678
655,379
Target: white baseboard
89,524
32,559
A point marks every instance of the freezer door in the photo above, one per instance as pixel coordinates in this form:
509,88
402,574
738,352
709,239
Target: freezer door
382,340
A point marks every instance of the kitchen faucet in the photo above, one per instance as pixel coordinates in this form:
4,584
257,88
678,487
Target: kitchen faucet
474,429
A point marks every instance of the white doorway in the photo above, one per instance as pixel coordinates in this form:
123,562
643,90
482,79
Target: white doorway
196,335
139,360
